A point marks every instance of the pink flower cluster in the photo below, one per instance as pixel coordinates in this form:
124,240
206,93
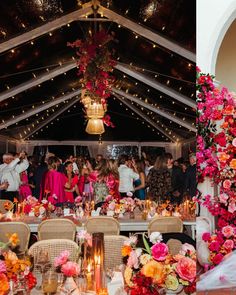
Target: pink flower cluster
68,268
221,243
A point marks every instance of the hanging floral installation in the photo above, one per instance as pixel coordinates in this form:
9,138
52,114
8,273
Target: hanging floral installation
216,161
95,67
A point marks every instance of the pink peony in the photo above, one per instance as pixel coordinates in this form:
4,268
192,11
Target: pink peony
228,231
227,184
228,245
214,246
133,260
3,267
70,269
62,258
223,198
234,142
206,237
159,251
186,269
232,207
187,249
217,258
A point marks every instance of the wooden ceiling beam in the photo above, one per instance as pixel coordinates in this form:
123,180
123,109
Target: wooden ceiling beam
38,80
39,109
160,112
146,33
52,117
149,121
44,29
156,85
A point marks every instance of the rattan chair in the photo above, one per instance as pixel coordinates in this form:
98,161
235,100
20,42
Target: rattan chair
106,225
113,246
58,228
2,208
165,225
21,228
174,246
53,248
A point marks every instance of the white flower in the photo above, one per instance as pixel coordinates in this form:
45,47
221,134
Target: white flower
131,241
155,237
44,201
138,251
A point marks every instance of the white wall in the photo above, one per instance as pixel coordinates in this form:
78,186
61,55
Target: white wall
214,17
226,60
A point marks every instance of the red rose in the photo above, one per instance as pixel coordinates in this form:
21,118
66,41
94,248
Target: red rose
220,138
218,258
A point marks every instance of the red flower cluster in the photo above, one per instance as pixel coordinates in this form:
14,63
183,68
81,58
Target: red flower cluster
216,157
95,63
143,286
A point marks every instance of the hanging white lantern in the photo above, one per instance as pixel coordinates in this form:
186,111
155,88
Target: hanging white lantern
95,126
95,111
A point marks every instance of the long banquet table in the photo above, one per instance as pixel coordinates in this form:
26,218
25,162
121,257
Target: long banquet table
130,225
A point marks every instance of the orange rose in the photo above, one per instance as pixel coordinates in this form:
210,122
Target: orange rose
4,285
228,110
232,164
155,270
225,125
223,157
126,250
13,239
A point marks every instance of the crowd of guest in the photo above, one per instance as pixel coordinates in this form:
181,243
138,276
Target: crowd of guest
62,180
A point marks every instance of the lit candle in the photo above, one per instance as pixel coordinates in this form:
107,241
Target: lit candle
89,278
103,291
97,260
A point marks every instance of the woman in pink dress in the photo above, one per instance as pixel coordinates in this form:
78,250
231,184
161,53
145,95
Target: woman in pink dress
53,184
24,189
71,182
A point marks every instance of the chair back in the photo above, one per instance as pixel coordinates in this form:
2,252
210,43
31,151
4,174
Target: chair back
113,245
2,205
58,228
21,228
174,246
104,224
165,225
53,248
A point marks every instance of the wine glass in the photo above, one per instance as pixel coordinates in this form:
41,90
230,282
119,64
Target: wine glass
42,264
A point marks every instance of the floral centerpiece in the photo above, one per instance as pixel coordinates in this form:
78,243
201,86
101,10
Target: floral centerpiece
14,272
31,205
153,270
220,244
216,157
70,270
95,64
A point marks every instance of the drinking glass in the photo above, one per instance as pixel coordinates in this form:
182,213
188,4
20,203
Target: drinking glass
49,282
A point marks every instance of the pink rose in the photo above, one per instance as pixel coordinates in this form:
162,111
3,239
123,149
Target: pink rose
218,258
186,269
234,142
187,249
223,198
232,207
133,260
206,237
228,231
62,258
228,245
70,269
214,246
227,184
3,267
159,251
